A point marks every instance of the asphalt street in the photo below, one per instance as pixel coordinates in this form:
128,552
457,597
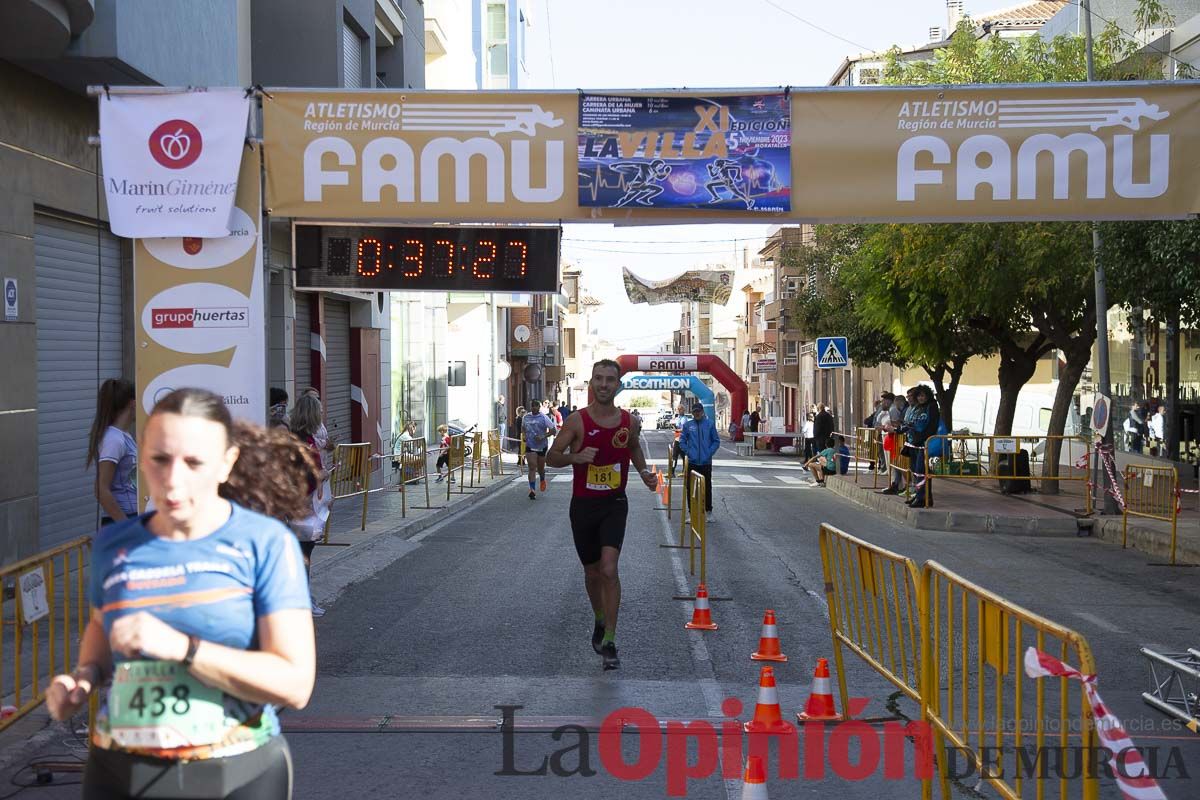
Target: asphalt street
488,610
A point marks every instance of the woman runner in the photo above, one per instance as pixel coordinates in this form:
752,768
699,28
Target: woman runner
200,615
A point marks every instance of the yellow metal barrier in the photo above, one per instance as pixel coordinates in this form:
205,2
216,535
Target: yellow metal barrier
670,479
495,457
978,457
868,448
47,615
697,527
874,609
456,460
1151,491
351,477
975,693
683,504
476,458
414,469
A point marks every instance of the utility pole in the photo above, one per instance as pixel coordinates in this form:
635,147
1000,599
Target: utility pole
1102,376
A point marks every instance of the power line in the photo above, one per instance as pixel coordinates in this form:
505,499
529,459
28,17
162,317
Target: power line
624,252
550,45
1128,34
817,27
733,240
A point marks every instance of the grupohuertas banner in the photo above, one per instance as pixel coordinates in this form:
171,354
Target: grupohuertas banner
199,307
1064,151
723,152
171,161
963,153
696,285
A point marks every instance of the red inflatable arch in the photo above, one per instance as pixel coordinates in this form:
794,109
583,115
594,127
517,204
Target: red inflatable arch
705,362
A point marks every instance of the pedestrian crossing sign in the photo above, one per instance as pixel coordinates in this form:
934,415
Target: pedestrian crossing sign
832,352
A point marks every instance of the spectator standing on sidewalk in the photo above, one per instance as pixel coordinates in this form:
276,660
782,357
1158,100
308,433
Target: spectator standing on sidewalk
922,424
501,414
699,442
883,415
755,421
810,444
822,424
114,451
277,414
304,422
899,415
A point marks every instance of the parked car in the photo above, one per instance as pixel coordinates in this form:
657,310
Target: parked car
665,420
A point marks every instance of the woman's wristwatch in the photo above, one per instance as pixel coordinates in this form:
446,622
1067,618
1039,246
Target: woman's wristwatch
193,646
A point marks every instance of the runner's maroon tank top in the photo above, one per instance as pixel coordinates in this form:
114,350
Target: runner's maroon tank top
608,472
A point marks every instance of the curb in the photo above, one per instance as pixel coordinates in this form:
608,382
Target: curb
1105,528
409,529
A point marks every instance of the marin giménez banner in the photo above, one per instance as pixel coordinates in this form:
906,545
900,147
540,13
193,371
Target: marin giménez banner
718,153
695,285
973,153
171,160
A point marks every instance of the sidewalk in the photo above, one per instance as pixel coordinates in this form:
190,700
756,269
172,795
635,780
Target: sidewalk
979,507
354,555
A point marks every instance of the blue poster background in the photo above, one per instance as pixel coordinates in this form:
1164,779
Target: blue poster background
719,153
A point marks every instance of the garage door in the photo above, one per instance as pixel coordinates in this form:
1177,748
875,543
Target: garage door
337,362
303,346
78,346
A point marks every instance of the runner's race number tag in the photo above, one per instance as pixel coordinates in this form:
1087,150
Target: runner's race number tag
604,479
158,704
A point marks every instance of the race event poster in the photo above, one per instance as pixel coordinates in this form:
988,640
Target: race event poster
726,153
695,285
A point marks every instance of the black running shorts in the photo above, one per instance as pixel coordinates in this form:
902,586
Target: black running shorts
597,522
541,452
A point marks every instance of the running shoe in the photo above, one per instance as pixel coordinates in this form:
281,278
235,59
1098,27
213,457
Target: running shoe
532,496
439,478
597,636
608,651
542,486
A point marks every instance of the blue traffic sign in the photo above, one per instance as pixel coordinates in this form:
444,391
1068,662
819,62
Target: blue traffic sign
832,352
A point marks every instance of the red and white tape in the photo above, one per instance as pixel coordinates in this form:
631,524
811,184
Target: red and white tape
1133,778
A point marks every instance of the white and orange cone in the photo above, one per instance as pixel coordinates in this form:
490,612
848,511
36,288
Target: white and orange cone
754,781
819,707
767,716
768,643
701,613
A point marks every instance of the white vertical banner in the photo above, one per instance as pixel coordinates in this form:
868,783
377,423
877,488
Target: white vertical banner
171,161
200,310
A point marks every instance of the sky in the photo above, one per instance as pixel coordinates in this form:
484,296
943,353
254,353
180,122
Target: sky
705,44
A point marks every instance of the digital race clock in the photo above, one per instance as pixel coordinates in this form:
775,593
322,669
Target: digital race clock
374,258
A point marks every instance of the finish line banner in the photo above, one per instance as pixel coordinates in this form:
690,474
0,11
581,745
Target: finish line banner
918,154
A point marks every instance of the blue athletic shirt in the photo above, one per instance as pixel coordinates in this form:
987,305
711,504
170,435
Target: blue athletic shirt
215,587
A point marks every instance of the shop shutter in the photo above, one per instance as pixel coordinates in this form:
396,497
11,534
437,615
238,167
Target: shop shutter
337,364
303,346
79,339
352,58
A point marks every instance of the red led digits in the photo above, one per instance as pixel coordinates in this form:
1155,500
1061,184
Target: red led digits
485,265
416,260
370,265
516,258
443,263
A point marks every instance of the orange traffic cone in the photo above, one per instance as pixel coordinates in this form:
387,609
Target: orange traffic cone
767,717
701,613
754,781
768,643
820,706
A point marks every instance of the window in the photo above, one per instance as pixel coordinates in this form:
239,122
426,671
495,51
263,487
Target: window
792,348
496,44
568,342
870,76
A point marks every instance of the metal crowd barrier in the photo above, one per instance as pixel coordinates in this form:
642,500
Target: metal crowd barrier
1151,491
350,477
495,454
874,609
976,695
414,469
43,620
963,457
683,504
669,497
868,448
476,458
697,525
456,460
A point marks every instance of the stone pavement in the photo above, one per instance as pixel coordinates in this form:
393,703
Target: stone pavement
979,507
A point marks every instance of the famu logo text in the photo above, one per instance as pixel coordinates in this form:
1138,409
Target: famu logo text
1008,168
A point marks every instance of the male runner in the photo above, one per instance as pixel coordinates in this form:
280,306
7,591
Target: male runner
726,174
643,182
537,428
602,440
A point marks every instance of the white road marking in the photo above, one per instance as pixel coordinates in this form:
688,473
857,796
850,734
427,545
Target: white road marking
1099,622
791,479
562,479
744,478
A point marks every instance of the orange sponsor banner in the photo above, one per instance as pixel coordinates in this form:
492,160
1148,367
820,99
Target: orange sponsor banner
963,153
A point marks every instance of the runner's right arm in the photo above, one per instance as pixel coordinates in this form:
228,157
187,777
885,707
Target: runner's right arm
570,436
67,694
